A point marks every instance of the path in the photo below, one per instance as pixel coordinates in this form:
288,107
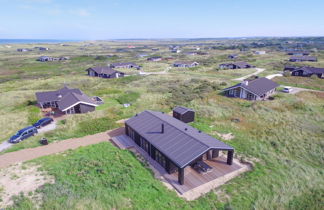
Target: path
160,72
298,89
271,76
259,70
5,145
56,147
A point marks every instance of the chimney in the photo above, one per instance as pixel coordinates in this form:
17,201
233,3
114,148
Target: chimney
162,128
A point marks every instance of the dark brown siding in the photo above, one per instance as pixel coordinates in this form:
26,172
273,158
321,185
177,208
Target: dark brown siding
86,108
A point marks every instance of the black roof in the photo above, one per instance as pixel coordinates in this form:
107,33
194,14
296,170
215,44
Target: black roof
56,95
181,109
180,142
104,70
258,86
309,69
304,58
123,64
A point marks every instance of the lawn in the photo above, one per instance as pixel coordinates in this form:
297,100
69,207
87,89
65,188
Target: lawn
283,137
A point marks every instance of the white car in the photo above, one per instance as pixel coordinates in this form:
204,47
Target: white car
287,89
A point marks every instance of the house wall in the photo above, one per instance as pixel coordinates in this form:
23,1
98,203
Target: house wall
153,152
84,108
187,117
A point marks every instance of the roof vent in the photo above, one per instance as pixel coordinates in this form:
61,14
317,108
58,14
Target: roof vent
186,129
199,131
136,115
59,96
246,82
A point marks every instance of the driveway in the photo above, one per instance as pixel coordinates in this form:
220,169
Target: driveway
56,147
297,90
258,71
271,76
5,145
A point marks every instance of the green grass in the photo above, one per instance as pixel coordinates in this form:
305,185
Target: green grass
283,137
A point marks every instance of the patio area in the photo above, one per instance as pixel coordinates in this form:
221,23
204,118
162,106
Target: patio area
195,184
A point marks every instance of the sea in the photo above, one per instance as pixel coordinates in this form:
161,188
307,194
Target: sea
33,41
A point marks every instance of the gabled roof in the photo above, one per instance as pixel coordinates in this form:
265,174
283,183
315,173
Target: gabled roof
55,95
71,99
103,70
258,86
240,64
181,109
184,62
305,58
123,64
180,142
309,69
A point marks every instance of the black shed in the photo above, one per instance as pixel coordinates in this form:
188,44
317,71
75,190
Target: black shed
184,114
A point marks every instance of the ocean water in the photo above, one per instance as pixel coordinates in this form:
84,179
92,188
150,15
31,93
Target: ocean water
33,41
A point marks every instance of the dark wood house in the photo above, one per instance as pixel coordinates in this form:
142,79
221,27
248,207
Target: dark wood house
127,65
305,71
232,56
173,144
184,114
303,58
155,58
235,65
185,64
66,100
257,89
297,52
104,72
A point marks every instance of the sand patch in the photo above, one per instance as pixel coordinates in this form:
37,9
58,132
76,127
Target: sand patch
225,136
21,178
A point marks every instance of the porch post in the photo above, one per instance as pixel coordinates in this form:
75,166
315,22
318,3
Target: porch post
215,153
209,156
181,176
230,155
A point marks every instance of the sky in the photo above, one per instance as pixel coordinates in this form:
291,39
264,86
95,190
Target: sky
134,19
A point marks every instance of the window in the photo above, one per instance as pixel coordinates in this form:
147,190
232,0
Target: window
144,144
160,158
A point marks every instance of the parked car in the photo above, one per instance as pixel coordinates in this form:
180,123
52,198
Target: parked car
42,122
23,134
287,89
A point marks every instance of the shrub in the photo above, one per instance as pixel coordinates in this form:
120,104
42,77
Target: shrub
128,97
33,115
97,125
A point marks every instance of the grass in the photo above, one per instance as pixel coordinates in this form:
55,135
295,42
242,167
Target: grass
283,137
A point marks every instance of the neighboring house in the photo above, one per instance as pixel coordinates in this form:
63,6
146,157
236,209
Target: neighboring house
104,72
23,50
191,53
155,49
306,71
185,64
298,53
303,58
45,59
232,56
202,53
235,65
127,65
184,114
66,100
260,52
257,89
42,48
173,144
176,51
155,58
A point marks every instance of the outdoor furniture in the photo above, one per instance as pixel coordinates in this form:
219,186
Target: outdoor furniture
43,141
202,167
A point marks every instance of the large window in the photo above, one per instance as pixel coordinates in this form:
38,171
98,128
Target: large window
145,145
131,133
160,158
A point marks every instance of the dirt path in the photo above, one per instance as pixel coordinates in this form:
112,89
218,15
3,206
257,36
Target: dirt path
259,70
56,147
271,76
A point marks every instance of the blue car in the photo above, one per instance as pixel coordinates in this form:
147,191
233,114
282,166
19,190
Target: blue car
42,122
23,134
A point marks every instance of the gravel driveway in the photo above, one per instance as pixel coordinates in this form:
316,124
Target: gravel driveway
5,145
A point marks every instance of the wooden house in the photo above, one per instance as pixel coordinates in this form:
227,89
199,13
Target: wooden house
184,114
257,89
173,144
104,72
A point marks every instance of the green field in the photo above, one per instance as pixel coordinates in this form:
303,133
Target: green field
284,137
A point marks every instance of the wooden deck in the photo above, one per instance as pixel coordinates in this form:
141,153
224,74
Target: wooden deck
194,182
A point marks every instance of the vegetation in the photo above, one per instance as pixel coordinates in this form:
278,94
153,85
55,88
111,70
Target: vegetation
282,137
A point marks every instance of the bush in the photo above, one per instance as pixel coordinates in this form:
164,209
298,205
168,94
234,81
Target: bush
128,97
33,115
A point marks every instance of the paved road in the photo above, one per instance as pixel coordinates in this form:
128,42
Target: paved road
5,145
259,70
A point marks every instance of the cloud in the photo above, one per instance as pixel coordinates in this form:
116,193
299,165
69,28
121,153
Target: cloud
81,12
